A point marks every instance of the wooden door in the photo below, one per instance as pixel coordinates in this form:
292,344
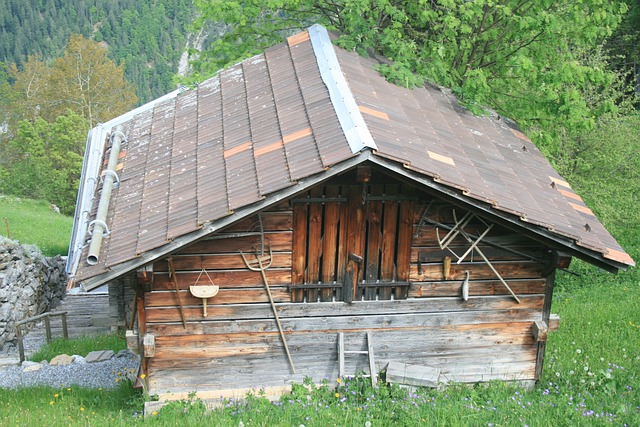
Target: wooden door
352,242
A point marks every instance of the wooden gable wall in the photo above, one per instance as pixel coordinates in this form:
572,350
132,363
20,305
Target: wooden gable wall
237,345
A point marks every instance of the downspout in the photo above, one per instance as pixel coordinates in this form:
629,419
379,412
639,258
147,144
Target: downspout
99,225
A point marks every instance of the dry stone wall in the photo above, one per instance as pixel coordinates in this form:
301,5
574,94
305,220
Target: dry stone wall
30,284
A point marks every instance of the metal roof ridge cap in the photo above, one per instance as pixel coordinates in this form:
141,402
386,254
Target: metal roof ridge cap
353,125
86,191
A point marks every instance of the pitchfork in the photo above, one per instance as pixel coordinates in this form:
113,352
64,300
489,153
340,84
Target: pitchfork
258,265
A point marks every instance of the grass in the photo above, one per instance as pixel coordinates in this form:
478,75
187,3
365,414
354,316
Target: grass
591,375
81,345
34,222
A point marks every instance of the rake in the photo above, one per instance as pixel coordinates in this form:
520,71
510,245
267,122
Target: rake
261,263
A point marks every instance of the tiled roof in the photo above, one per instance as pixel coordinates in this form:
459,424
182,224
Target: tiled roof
295,111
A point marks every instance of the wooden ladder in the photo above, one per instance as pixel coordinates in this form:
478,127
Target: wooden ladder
369,352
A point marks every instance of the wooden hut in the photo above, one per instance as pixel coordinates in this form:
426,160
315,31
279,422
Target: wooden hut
323,210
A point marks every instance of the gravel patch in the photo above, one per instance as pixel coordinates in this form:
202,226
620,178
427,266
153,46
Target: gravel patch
106,374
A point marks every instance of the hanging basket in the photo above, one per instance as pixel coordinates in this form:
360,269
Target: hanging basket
204,291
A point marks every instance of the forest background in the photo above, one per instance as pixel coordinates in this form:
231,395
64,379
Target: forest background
568,72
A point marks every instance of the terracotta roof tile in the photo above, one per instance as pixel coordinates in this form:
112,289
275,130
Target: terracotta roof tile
260,126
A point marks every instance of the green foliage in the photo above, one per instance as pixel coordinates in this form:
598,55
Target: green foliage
147,36
535,61
70,406
34,222
80,345
44,160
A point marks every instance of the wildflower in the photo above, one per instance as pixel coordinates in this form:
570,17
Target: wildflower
55,395
337,394
51,403
81,408
578,351
367,424
338,380
143,376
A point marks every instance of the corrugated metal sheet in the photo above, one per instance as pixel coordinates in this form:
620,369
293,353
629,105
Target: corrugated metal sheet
262,125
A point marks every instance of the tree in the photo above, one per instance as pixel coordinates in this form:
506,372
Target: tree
528,59
84,80
46,160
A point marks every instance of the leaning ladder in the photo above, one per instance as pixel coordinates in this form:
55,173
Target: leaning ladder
369,352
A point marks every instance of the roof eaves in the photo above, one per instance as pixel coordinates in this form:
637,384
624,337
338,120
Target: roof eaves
344,103
209,228
610,261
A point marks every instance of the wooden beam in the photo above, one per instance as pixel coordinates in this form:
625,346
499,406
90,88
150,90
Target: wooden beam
539,330
554,322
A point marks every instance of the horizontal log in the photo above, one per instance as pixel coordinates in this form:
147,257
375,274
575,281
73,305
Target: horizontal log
324,309
271,221
427,236
479,270
263,369
218,262
345,323
279,241
224,296
476,288
435,254
224,278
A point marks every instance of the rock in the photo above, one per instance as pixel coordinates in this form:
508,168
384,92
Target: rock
124,353
79,360
99,356
32,368
28,363
62,359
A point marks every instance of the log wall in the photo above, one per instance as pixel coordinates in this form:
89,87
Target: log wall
488,337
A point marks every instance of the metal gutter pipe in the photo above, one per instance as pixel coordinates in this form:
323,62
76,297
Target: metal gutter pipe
109,176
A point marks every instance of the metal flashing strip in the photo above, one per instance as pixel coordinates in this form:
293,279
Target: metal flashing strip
353,125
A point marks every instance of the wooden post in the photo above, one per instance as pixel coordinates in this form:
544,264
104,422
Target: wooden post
546,312
6,222
20,343
65,331
47,326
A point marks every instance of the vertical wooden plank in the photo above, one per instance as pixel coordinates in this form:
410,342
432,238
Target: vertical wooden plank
342,241
405,235
355,238
314,254
389,232
546,311
142,314
373,241
329,242
298,263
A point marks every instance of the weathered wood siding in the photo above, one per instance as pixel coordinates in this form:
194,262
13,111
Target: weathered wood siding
238,345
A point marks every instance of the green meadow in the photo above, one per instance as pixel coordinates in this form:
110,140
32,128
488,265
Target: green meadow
591,372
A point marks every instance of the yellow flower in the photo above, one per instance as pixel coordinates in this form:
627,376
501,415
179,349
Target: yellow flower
154,413
55,395
81,408
143,376
51,403
338,380
337,394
